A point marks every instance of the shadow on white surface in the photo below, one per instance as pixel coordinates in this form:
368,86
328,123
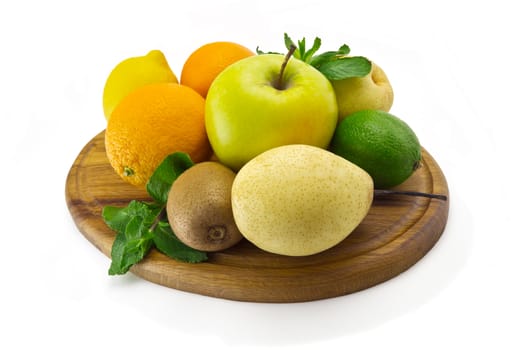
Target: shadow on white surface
241,323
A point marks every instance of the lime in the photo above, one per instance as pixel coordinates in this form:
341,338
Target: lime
380,143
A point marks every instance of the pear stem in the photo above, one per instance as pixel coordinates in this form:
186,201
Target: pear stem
279,84
410,193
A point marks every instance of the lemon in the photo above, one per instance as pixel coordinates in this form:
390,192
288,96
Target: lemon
380,143
133,73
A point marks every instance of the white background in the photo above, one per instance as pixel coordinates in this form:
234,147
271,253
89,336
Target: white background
457,72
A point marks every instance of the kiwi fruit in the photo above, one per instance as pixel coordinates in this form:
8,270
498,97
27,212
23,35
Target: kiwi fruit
199,207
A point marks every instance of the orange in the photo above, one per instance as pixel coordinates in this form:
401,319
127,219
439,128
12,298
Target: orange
152,122
205,63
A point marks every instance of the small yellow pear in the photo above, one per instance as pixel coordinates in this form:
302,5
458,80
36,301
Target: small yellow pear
133,73
299,200
372,91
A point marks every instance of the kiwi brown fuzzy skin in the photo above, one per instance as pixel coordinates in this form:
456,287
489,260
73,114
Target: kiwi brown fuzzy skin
199,208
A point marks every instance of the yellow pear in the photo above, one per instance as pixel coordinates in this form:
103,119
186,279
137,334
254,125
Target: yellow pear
372,91
133,73
299,200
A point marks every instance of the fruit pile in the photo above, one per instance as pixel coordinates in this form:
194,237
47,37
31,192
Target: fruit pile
284,150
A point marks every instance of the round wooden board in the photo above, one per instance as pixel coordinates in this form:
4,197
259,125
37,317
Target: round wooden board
397,232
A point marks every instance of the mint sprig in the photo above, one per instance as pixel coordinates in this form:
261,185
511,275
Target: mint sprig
141,226
134,237
171,167
335,65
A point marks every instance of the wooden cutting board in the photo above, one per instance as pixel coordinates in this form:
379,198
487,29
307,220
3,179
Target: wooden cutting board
397,232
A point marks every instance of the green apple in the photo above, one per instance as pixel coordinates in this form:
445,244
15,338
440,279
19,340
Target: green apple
254,105
372,91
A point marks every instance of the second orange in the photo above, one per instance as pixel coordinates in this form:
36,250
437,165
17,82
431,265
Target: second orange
205,63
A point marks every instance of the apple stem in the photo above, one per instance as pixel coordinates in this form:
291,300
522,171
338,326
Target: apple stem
410,193
279,84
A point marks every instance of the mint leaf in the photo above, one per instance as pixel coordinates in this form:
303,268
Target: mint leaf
309,54
330,56
140,226
301,45
334,65
301,53
347,67
167,243
134,238
171,167
118,218
288,43
131,245
118,266
261,52
344,49
125,254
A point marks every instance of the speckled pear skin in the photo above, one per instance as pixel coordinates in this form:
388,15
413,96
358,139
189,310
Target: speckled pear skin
299,200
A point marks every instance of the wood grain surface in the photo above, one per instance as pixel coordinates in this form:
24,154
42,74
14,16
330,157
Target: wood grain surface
398,231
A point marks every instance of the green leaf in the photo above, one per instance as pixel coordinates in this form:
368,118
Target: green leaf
166,242
130,246
118,218
171,167
301,45
288,42
347,67
309,54
344,49
139,227
261,52
117,253
330,56
134,239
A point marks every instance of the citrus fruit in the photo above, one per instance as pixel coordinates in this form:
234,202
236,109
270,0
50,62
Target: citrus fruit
380,143
205,63
132,73
152,122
